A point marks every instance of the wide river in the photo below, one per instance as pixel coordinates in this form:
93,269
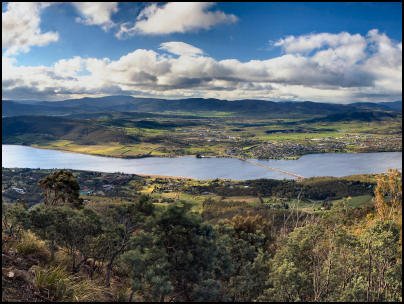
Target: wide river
326,164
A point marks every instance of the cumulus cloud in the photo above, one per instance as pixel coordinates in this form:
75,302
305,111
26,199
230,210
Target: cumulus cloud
21,27
339,68
307,43
21,23
96,13
180,48
175,17
68,67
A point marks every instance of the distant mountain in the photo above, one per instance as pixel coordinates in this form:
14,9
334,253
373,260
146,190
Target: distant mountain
364,115
153,105
395,105
14,108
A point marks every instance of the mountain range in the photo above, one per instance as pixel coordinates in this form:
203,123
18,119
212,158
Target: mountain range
191,105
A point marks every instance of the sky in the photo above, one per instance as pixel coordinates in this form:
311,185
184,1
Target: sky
325,52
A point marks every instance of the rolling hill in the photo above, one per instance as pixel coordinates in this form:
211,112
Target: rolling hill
47,128
238,107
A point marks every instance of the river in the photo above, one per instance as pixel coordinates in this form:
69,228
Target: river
326,164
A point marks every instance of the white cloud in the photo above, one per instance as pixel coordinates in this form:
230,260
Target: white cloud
21,27
307,43
21,23
181,48
96,13
175,17
68,67
355,68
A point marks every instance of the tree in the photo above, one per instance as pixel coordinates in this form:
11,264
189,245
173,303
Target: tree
330,261
14,220
180,252
119,223
71,229
243,243
381,262
149,268
389,195
190,248
61,187
296,267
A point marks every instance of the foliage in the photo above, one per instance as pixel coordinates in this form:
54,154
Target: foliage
119,223
14,220
142,251
389,195
175,256
69,228
319,262
61,187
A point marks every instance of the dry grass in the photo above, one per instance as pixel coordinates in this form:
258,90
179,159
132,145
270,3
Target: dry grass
56,284
29,244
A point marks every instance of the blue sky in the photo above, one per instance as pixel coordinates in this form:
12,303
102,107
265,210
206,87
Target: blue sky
234,39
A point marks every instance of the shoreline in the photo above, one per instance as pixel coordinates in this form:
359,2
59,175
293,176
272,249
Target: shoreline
191,155
166,176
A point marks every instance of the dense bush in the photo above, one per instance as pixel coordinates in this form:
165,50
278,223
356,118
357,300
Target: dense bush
142,252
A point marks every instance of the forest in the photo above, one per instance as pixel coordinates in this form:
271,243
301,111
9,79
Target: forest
69,249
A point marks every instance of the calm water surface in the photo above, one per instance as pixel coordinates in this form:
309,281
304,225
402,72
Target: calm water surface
326,164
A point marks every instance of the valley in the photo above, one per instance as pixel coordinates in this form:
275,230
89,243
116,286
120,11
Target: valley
284,130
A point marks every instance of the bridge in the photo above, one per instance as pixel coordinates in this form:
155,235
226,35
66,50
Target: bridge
297,176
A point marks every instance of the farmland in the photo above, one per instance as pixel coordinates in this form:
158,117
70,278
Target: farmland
132,135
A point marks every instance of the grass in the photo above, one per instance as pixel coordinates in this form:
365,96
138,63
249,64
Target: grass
195,200
56,284
113,149
358,201
29,244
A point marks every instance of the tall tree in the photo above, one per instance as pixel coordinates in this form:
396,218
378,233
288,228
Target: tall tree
120,222
71,229
61,187
182,252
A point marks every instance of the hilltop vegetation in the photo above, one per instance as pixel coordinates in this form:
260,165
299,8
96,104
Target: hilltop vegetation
135,248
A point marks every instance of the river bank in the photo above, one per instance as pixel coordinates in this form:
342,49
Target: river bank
230,155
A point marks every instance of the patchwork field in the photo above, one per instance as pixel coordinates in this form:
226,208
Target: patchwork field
146,134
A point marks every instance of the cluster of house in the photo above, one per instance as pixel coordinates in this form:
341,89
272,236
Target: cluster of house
18,190
87,191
